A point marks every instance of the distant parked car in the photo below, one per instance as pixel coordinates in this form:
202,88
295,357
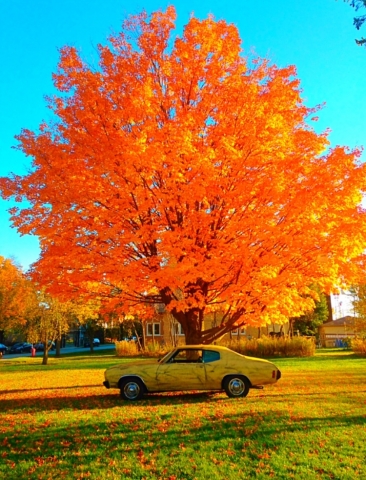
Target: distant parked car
21,348
40,346
3,348
130,339
96,342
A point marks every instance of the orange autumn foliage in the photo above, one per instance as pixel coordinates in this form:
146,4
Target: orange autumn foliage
181,172
15,295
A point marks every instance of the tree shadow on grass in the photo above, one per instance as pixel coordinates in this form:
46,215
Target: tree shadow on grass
24,390
320,394
90,401
97,440
343,355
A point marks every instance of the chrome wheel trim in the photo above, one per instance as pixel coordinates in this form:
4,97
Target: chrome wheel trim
131,390
236,387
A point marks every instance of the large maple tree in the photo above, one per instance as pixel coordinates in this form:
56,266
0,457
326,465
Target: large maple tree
180,172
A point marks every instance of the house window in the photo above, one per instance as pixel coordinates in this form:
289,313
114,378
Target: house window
177,329
239,331
153,329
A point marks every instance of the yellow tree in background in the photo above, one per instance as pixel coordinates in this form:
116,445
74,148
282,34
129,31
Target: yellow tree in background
359,306
48,321
15,296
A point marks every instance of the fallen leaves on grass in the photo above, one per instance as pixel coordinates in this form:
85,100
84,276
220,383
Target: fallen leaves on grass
66,421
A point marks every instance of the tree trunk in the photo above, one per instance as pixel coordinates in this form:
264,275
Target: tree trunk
143,335
191,322
138,340
193,337
45,356
90,336
45,351
291,327
58,348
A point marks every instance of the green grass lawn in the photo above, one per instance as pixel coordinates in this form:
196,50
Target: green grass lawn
58,421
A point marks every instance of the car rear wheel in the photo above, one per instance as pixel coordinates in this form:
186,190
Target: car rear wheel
132,389
236,386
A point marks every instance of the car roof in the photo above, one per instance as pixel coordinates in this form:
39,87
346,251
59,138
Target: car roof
204,347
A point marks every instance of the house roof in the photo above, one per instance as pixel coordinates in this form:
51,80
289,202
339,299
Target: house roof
340,322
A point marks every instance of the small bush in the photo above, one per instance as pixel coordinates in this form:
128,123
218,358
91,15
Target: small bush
156,349
126,349
359,345
131,349
275,347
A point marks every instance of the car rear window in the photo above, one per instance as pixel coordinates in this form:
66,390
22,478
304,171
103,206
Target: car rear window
210,356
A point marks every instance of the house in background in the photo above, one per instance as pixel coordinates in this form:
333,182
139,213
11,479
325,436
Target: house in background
341,324
164,329
332,334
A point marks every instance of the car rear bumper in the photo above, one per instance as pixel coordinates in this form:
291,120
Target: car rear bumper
278,376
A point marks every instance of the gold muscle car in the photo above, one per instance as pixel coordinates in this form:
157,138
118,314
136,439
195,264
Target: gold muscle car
192,367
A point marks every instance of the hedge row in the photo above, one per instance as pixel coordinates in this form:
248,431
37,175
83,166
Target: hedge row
261,347
275,347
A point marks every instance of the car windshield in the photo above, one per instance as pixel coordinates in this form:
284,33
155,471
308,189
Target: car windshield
164,359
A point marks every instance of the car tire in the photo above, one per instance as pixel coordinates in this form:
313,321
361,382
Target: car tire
236,386
132,389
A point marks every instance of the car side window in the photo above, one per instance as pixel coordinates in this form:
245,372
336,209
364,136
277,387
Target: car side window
210,356
187,356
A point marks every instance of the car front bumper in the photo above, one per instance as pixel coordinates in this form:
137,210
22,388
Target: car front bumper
106,384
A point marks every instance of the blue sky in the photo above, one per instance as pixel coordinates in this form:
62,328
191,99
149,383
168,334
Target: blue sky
316,36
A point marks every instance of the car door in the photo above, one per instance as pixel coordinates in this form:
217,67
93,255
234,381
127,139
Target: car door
183,371
215,368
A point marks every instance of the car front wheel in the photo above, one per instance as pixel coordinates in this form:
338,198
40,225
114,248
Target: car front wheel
236,386
132,389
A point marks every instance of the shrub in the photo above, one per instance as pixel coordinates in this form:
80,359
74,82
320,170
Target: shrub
126,349
275,347
359,345
156,349
131,349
